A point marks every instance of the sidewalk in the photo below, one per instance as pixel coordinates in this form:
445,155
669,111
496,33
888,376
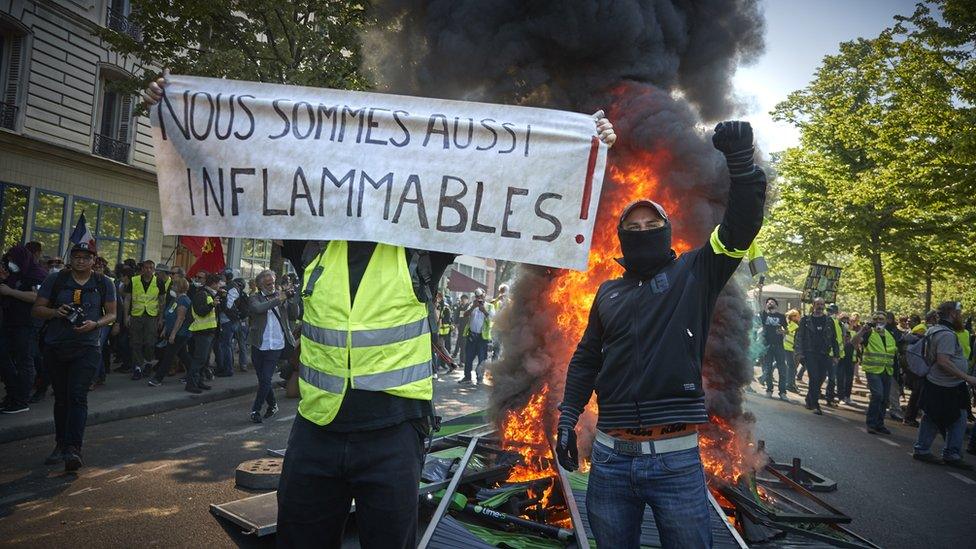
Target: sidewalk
122,398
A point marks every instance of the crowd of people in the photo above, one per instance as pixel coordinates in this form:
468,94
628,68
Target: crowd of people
466,334
828,345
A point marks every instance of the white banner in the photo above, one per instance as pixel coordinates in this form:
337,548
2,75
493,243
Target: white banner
244,159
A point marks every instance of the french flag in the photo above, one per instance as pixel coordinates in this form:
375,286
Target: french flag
82,235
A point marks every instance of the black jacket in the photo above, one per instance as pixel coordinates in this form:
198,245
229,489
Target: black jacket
643,346
810,341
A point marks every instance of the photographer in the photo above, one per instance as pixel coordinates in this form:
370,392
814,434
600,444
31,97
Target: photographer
203,328
17,292
879,356
271,313
478,335
77,303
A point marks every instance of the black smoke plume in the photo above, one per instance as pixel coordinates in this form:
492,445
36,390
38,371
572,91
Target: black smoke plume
659,68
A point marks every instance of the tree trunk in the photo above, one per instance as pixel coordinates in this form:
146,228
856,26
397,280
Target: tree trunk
928,289
879,281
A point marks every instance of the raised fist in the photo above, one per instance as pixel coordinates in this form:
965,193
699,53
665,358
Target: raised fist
732,136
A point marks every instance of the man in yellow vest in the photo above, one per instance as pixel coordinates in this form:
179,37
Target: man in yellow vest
478,335
144,299
202,330
878,364
444,328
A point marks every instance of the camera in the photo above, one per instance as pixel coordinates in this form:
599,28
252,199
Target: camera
77,315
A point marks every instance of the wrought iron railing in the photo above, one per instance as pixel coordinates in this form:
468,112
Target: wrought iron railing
120,23
111,148
8,116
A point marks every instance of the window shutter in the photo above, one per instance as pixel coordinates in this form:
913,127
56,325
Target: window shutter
125,119
11,94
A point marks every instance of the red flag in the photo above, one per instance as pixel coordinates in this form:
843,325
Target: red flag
210,255
193,243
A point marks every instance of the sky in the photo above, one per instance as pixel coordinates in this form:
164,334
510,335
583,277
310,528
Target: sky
799,33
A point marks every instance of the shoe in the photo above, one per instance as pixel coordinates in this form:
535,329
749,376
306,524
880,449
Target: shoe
153,382
914,423
256,417
204,386
927,458
832,403
37,396
208,374
137,374
785,398
848,401
15,408
769,394
896,416
464,382
271,411
183,380
883,430
873,431
72,459
818,411
958,464
193,389
243,368
57,456
478,383
808,407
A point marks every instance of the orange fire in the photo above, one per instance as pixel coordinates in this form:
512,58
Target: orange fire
568,299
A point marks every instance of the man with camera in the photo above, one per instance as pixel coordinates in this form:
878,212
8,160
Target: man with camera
76,303
271,313
203,328
878,361
478,335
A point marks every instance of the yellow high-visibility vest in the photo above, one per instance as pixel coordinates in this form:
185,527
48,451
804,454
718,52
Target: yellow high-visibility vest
381,342
145,302
206,322
790,336
879,353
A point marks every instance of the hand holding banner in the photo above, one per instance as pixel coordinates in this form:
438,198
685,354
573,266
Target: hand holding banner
245,159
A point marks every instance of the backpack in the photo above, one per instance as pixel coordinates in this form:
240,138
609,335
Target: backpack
239,310
918,354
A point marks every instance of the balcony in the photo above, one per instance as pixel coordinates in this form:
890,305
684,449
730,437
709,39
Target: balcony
111,148
8,116
120,23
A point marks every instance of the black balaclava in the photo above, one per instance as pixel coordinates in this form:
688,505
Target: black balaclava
645,252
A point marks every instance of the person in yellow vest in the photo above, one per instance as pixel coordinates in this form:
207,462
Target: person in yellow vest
878,365
444,328
792,324
144,299
478,335
202,330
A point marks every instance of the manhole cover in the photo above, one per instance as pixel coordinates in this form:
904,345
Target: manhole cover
259,474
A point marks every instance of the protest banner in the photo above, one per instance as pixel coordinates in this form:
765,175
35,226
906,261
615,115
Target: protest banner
246,159
822,281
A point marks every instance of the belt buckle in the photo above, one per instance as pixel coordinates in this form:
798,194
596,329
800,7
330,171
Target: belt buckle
628,447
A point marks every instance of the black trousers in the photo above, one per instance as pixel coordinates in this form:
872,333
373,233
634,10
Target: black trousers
817,368
323,471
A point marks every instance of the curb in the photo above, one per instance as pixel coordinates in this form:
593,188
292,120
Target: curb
46,427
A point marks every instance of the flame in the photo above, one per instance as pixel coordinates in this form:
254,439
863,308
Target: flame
568,299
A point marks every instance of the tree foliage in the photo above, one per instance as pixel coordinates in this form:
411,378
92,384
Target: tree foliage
881,181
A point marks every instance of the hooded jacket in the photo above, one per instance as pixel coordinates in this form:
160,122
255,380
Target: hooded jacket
30,277
643,345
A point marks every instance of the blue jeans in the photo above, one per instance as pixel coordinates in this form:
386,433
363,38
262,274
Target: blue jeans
775,353
72,371
953,437
264,363
225,347
18,367
476,347
673,484
879,385
242,346
201,353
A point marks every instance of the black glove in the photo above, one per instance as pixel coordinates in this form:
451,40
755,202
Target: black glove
734,140
566,451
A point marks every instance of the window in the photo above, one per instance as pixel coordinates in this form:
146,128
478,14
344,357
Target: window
13,215
480,275
115,123
255,257
48,223
12,74
118,19
120,233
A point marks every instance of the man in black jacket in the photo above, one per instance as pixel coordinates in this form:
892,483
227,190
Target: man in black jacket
816,347
641,352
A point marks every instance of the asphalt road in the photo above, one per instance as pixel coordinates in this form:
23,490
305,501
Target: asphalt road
149,481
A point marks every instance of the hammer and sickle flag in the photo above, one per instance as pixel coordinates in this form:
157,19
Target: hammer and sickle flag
209,253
